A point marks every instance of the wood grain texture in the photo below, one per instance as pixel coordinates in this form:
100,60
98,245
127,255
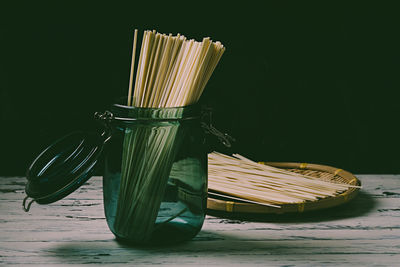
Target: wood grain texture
365,232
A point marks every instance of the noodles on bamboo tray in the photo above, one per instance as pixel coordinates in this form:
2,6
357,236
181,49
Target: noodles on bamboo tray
239,185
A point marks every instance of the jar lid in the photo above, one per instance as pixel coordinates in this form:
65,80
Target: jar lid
63,167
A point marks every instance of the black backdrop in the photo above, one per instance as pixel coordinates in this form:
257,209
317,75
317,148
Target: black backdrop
298,82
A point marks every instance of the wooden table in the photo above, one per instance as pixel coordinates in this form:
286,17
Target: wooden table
364,232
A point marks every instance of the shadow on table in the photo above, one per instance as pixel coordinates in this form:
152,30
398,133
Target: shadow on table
359,206
222,243
226,249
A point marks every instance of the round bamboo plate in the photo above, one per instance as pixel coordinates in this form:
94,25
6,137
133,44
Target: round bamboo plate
323,172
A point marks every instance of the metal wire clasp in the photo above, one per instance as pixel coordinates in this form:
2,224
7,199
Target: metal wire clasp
105,118
224,138
27,207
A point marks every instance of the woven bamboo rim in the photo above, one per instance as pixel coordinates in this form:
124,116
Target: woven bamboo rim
323,172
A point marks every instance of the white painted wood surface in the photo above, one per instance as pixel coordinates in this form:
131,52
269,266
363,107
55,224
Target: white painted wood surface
364,232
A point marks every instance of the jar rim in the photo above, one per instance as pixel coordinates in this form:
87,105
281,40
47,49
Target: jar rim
123,112
120,102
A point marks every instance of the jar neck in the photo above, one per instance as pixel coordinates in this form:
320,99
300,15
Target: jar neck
123,112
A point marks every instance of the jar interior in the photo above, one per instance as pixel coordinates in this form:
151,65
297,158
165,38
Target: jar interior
155,179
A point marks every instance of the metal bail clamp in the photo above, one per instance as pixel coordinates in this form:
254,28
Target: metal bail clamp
27,208
105,118
224,138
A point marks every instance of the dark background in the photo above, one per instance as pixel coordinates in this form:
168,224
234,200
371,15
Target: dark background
298,82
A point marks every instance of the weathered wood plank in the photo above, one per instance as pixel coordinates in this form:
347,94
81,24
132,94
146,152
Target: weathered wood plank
219,252
74,231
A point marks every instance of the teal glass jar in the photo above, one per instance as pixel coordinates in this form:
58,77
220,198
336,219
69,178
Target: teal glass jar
155,176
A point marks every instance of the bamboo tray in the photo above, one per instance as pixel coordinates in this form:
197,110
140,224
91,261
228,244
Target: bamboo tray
323,172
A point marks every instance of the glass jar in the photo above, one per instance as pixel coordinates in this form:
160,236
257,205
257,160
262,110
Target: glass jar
155,176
